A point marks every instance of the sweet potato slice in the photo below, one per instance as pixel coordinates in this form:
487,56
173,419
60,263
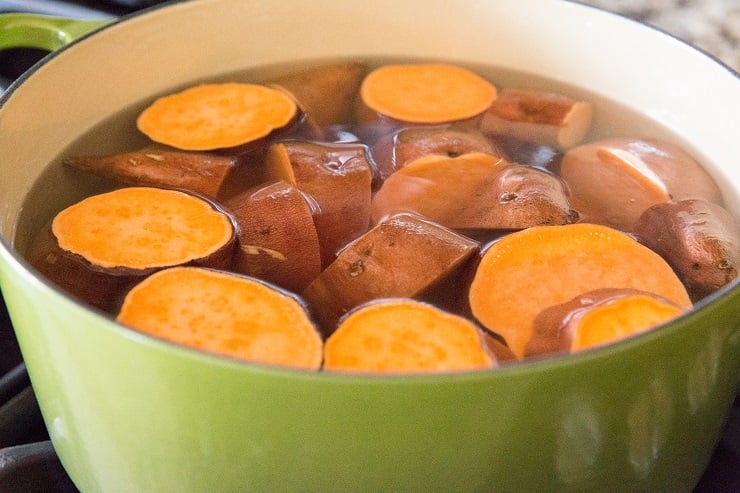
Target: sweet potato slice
613,181
159,166
216,116
426,93
223,313
542,117
527,271
700,240
97,248
337,178
405,336
394,151
598,317
473,191
400,257
277,237
326,94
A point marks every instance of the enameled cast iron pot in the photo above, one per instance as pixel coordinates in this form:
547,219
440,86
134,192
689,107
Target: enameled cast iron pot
129,413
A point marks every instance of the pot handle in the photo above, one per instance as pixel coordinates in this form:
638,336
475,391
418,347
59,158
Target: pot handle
43,32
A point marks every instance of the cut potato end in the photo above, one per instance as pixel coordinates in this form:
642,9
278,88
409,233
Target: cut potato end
405,336
621,318
527,271
216,116
426,93
223,313
142,227
541,117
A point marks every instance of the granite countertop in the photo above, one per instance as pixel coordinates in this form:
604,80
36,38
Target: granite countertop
711,25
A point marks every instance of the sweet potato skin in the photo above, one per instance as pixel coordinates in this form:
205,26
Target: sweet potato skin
393,151
653,171
277,239
160,166
326,94
338,178
400,257
700,240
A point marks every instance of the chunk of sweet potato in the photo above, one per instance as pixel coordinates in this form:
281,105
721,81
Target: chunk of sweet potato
327,93
337,178
277,239
474,191
597,317
700,240
613,181
395,150
400,257
537,116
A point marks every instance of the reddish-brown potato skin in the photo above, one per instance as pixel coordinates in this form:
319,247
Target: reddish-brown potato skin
203,173
326,94
700,240
338,179
277,239
394,150
605,194
104,287
554,327
400,257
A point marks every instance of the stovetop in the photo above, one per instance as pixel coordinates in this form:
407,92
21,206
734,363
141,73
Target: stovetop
27,459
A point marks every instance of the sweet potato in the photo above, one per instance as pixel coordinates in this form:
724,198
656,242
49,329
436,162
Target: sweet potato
216,116
277,237
337,178
160,166
597,317
326,94
395,150
405,336
527,271
613,181
426,93
537,116
473,191
700,240
400,257
223,313
98,248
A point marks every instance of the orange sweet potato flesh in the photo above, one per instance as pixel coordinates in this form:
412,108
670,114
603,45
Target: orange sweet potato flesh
277,239
400,257
393,151
598,317
338,180
226,314
97,248
700,240
160,166
474,191
326,94
426,93
216,116
541,117
527,271
613,181
405,336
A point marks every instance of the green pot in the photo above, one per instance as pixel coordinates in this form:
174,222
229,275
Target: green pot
127,412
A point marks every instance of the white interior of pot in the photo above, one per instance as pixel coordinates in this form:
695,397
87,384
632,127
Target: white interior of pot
131,61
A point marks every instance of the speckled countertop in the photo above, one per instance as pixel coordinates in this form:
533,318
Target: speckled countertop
711,25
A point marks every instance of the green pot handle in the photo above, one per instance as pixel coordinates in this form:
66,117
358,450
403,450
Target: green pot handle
43,32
